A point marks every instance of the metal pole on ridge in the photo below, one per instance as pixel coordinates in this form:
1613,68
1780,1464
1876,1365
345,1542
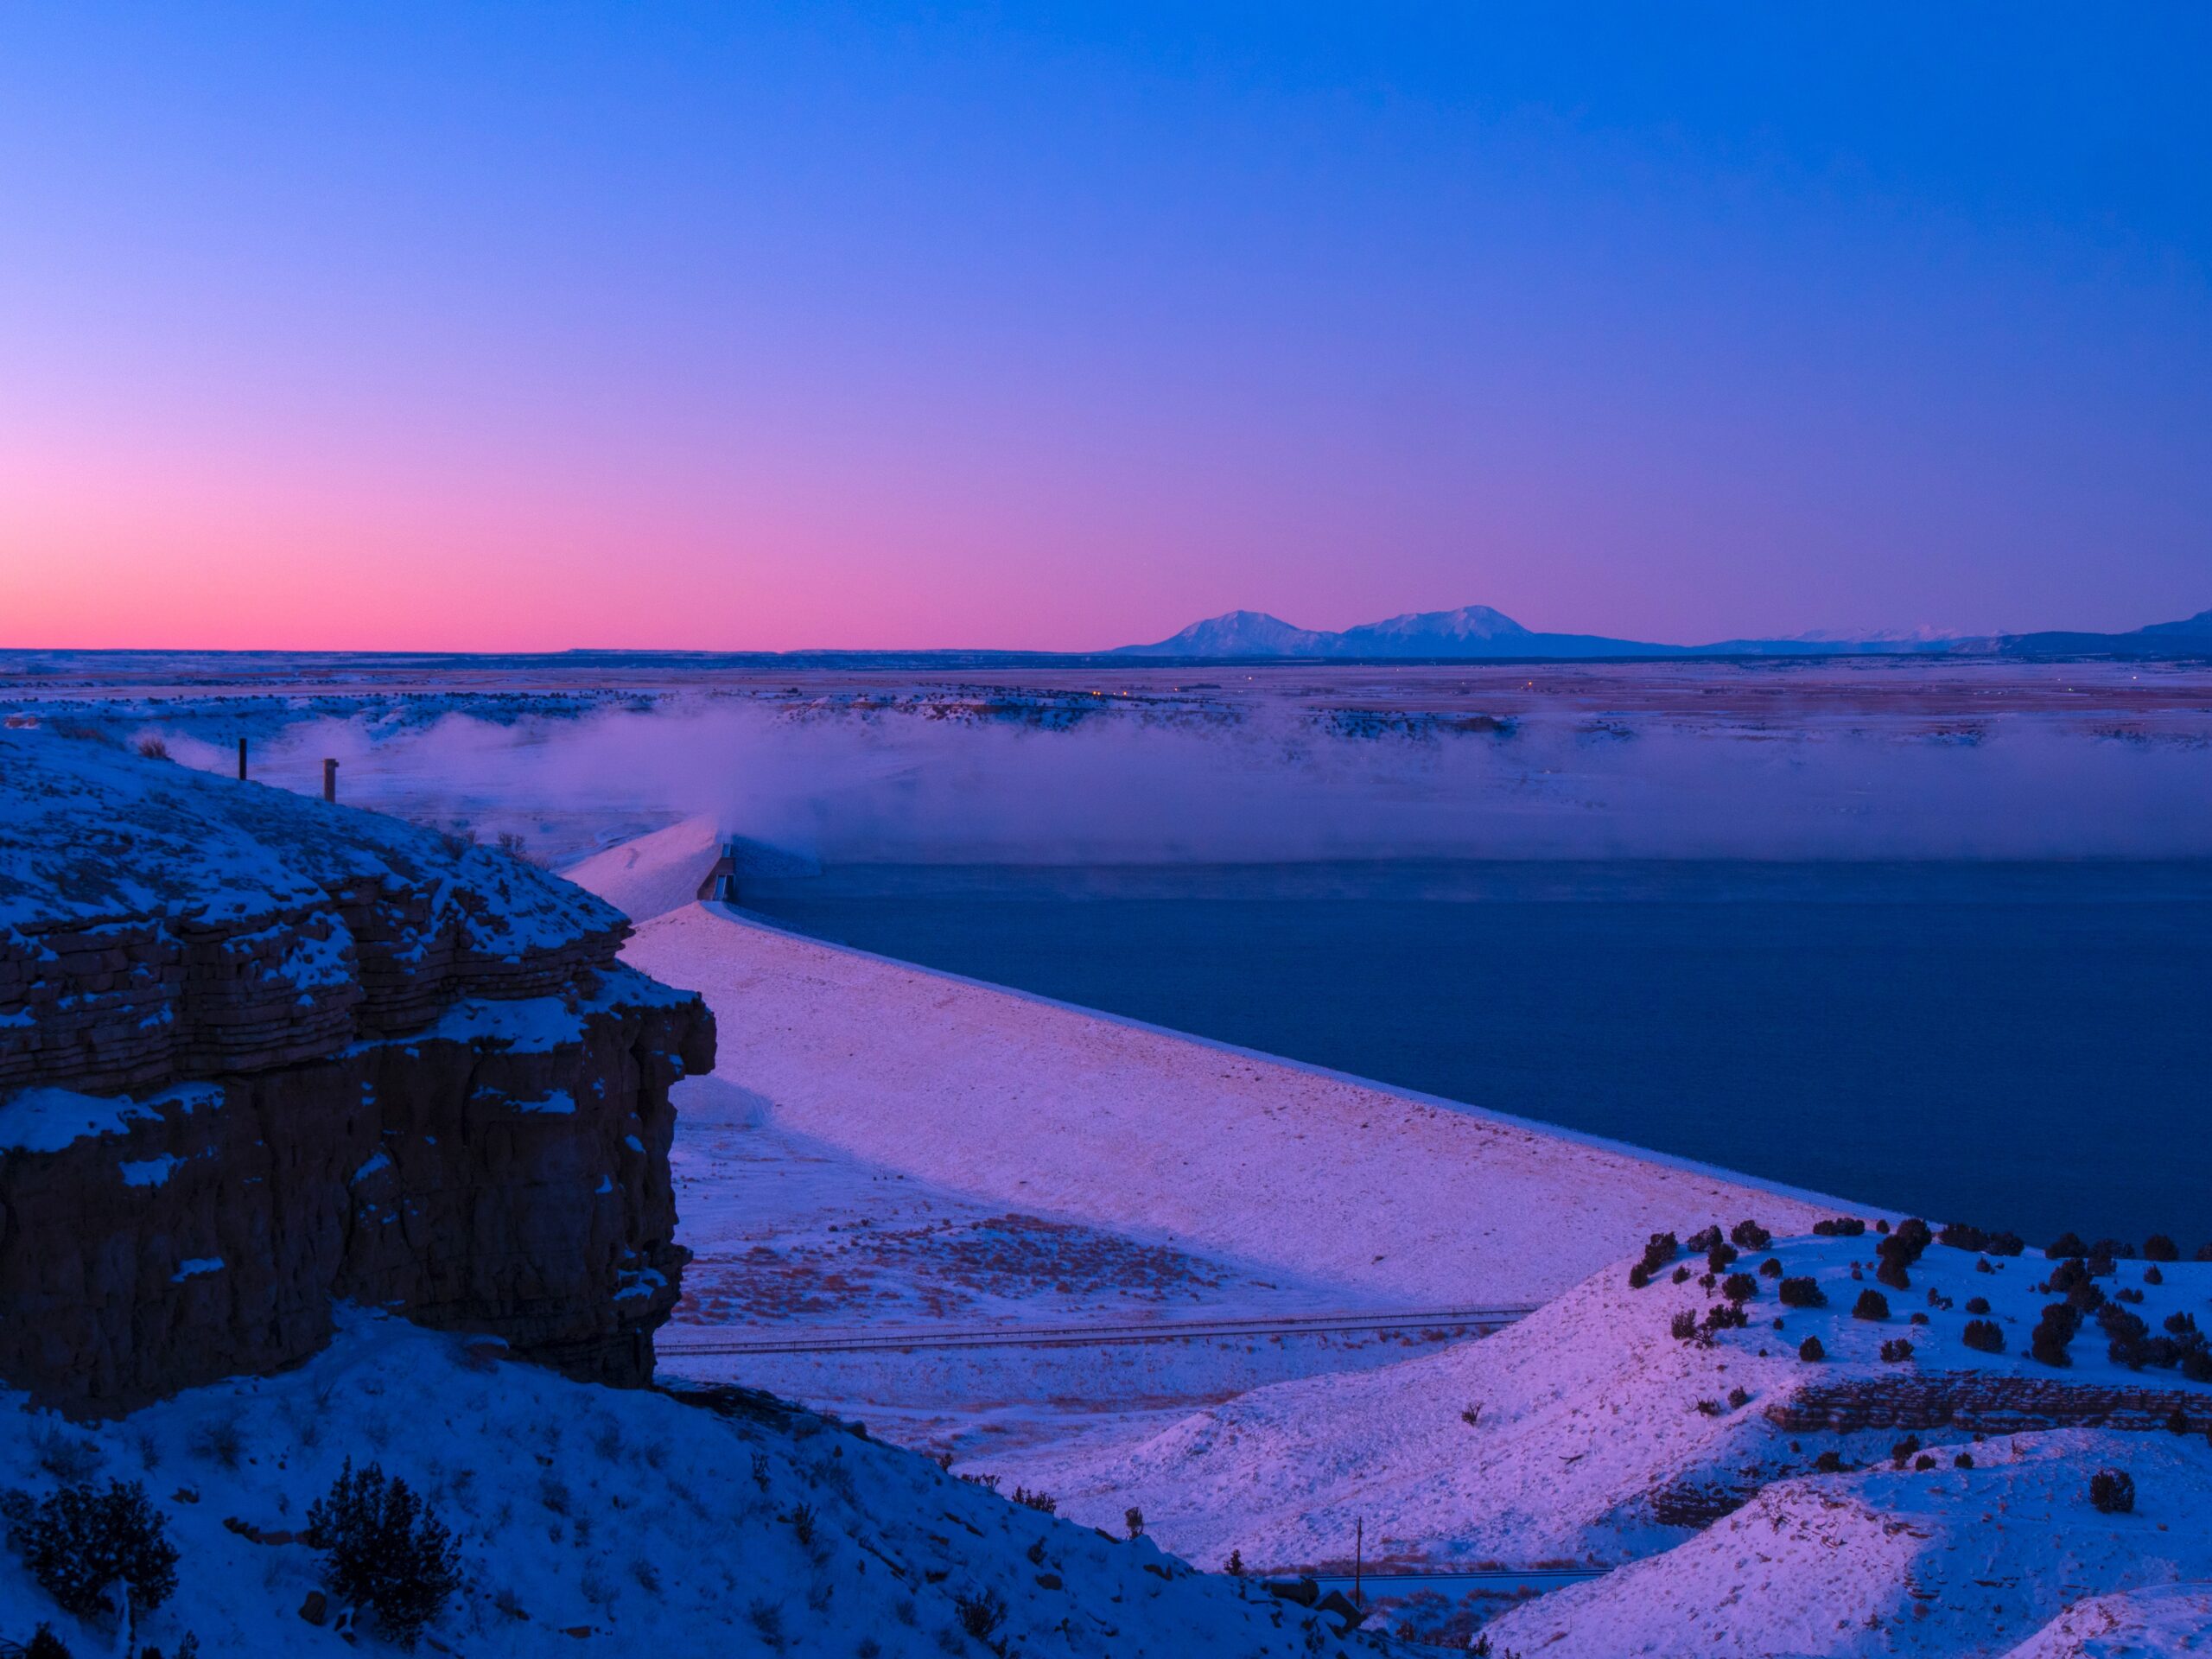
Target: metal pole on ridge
329,779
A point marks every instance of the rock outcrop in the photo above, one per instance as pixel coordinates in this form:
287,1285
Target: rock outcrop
258,1053
1993,1402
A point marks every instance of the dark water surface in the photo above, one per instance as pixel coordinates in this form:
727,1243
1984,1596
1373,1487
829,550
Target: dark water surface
2022,1045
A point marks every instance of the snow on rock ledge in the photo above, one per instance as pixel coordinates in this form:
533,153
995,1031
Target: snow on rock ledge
304,1042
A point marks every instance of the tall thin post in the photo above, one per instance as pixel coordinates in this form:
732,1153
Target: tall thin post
329,779
241,759
1358,1561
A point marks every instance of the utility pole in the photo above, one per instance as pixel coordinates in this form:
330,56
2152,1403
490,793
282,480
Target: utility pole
329,779
241,759
1358,1560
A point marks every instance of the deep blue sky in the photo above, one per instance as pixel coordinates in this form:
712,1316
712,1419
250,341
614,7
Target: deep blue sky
1059,326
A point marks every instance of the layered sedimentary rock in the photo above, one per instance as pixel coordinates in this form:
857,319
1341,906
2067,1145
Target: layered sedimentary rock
1990,1402
258,1053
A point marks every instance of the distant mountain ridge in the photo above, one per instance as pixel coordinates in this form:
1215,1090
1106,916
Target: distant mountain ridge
1473,633
1478,633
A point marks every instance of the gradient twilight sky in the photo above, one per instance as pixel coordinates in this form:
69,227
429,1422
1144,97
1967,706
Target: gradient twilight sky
764,325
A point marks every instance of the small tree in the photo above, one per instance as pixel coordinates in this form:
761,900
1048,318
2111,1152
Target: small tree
2113,1491
80,1543
388,1551
1985,1336
1134,1520
1870,1305
1810,1349
1801,1293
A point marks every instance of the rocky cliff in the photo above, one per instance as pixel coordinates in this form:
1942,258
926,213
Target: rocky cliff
258,1053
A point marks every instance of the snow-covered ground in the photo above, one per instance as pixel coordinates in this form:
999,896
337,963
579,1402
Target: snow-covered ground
1947,1562
595,1520
1282,1171
1596,1431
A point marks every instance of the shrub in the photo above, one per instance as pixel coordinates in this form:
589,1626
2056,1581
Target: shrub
1870,1305
387,1551
1739,1287
1738,1397
1720,1257
1750,1236
981,1614
1964,1460
1840,1227
1638,1276
1801,1293
1702,1242
1810,1349
1977,1304
45,1644
1829,1463
1985,1336
154,748
2152,1276
1235,1565
1959,1237
220,1441
1708,1407
1896,1350
1925,1460
2005,1244
1683,1326
1904,1449
1658,1250
2113,1491
2052,1332
2159,1247
2203,1253
2182,1324
1133,1518
1043,1502
1726,1316
78,1541
2065,1245
1770,1268
1682,1275
2129,1296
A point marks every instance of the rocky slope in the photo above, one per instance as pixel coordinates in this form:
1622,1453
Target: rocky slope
258,1053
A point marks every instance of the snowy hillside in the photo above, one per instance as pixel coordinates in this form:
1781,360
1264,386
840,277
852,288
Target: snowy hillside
1598,1432
615,1521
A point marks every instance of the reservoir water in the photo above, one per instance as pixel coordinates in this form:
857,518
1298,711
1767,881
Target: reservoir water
2023,1046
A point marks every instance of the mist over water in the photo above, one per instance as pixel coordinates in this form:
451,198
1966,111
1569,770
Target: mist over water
1273,788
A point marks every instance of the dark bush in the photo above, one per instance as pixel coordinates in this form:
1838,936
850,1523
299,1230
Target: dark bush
387,1551
1720,1257
1829,1463
2113,1491
1840,1227
78,1541
1977,1304
1896,1350
1919,1319
1638,1276
2111,1249
1750,1236
982,1614
2067,1275
43,1644
1704,1241
1726,1316
2052,1332
2159,1247
1770,1268
2203,1253
1982,1265
1904,1449
1870,1305
1739,1287
2085,1298
1683,1326
1959,1237
1738,1397
1923,1461
2131,1296
1810,1349
1708,1407
2182,1324
1658,1250
2065,1245
1892,1273
1964,1460
1801,1293
1682,1275
2005,1244
2150,1276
